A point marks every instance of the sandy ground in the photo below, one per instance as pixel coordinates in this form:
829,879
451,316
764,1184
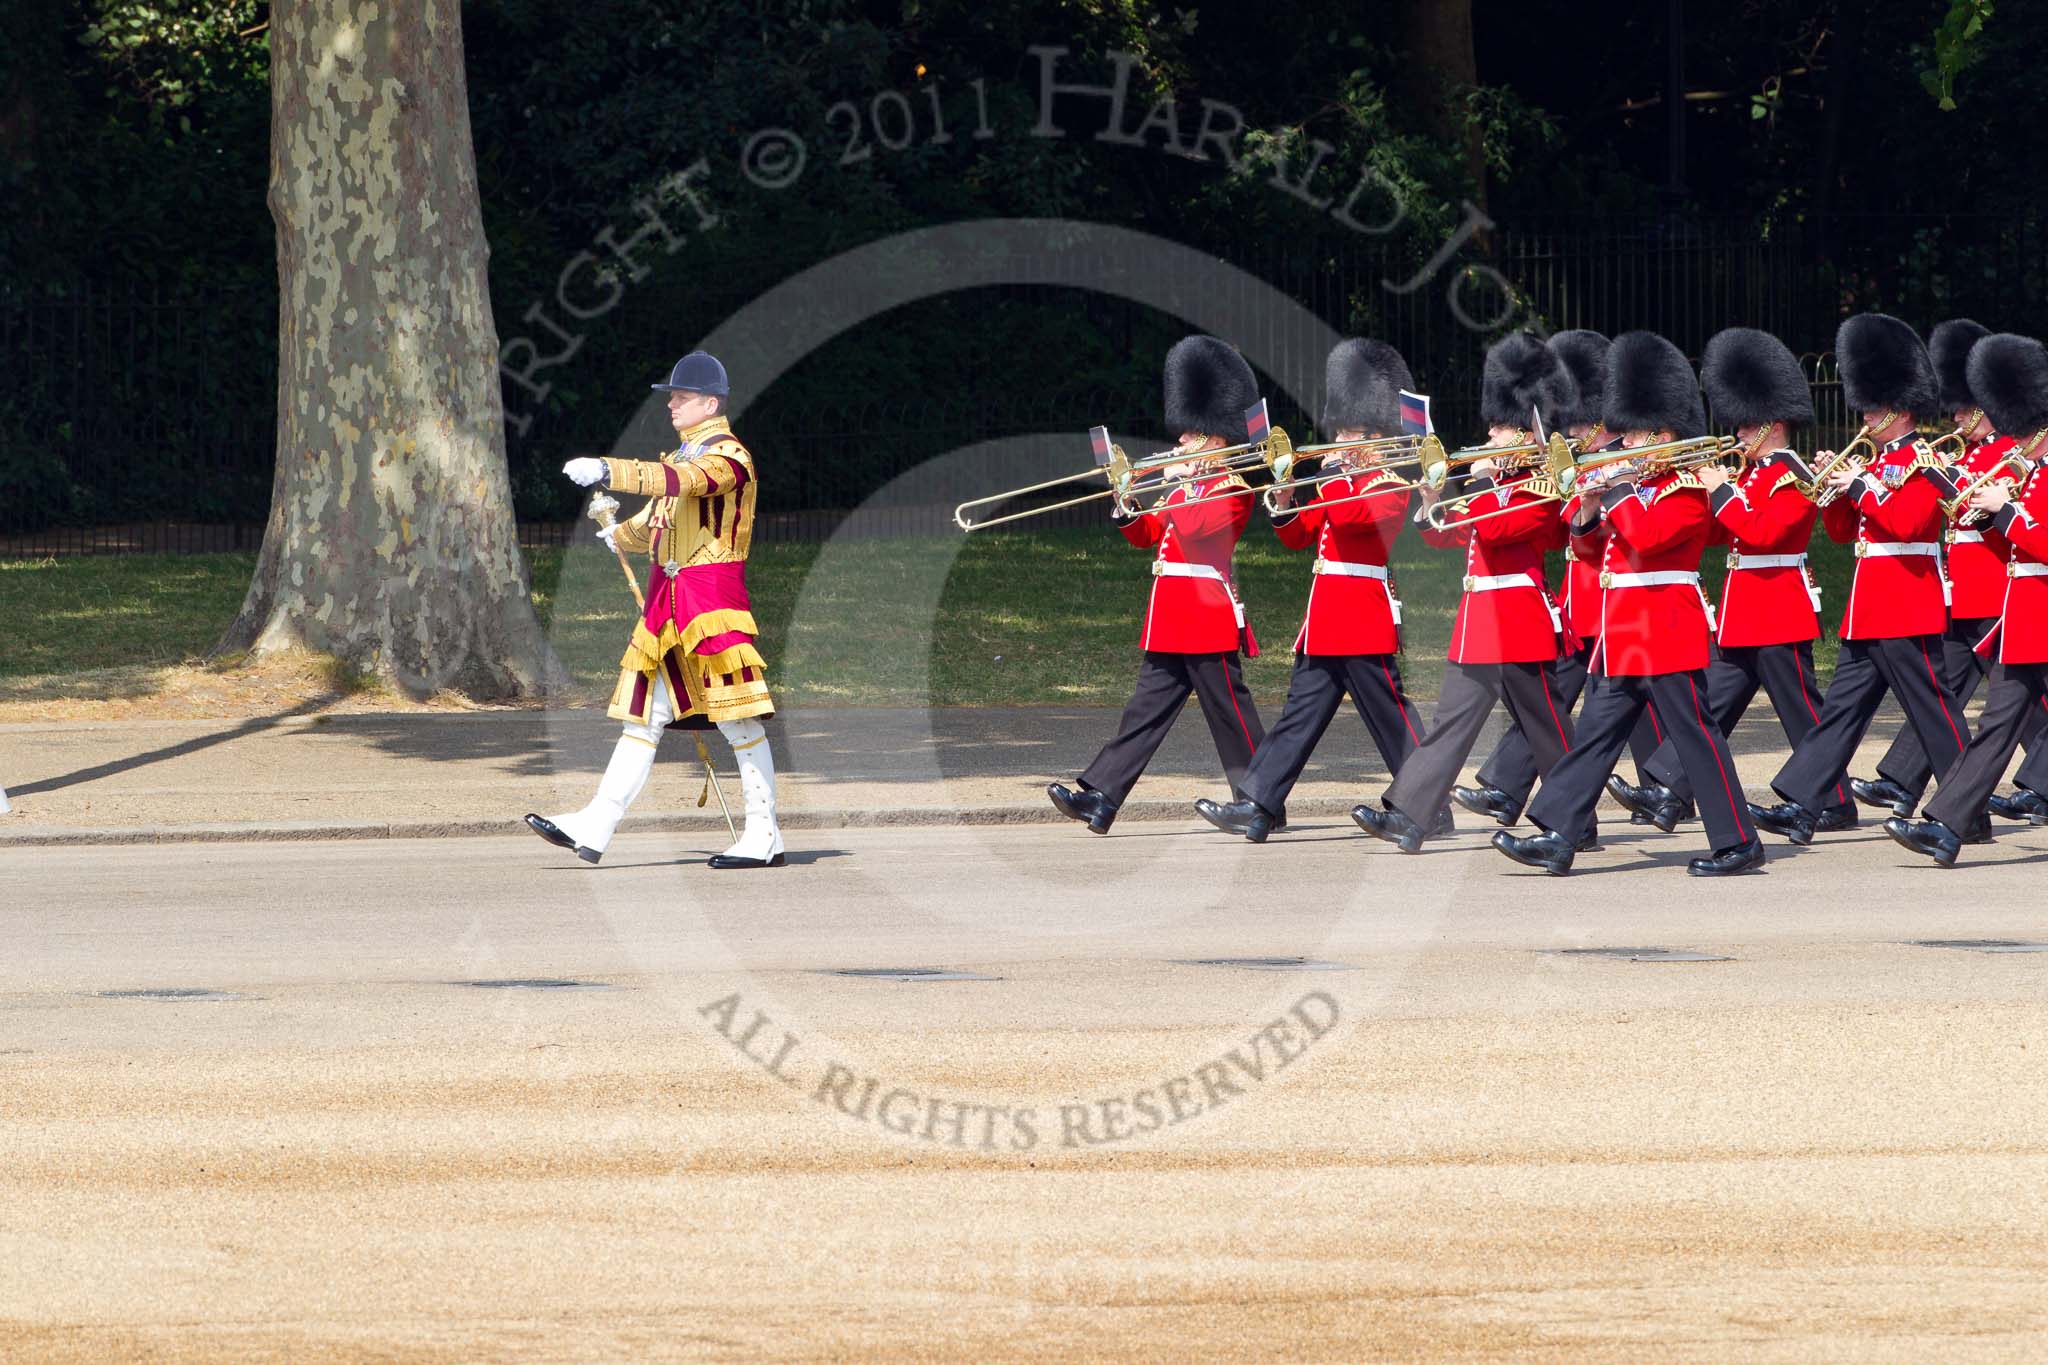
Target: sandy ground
1450,1143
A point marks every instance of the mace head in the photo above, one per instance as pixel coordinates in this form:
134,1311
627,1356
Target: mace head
604,509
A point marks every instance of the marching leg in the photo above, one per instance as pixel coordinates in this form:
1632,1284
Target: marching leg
588,832
1313,697
760,843
1564,805
2016,691
1820,764
1218,681
1155,704
1904,772
1510,774
1415,799
1732,681
1681,699
1911,668
1381,699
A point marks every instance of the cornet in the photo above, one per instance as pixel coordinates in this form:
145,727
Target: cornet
1817,487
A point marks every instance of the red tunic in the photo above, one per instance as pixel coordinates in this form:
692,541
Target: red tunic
1349,613
1893,595
1764,516
1977,555
1515,622
2021,636
1661,527
1582,594
1194,612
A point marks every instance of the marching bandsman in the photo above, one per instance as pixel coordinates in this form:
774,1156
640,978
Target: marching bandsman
1505,641
1976,561
1770,607
2009,375
1656,626
1194,624
1898,605
1350,635
692,663
1509,775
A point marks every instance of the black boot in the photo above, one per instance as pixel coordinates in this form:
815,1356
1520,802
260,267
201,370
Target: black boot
1788,818
1491,802
1652,805
1837,818
2020,804
1930,838
1248,818
1882,791
1446,825
1090,807
1979,831
1396,828
1551,852
1730,862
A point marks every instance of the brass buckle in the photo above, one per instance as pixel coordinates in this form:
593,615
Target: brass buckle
1470,582
1606,580
1862,549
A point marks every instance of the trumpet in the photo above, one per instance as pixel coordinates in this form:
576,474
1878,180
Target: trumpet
1125,476
1816,487
2012,470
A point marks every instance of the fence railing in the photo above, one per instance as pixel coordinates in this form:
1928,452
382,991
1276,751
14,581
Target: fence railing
137,419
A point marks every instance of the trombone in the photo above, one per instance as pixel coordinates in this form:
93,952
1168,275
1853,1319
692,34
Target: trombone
1423,452
1552,485
1123,475
1560,479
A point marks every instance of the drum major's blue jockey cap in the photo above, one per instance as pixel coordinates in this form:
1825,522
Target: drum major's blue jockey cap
697,372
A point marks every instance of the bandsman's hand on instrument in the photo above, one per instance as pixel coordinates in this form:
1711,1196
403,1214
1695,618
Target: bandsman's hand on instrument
1842,478
585,470
1712,476
1990,499
1485,469
1283,498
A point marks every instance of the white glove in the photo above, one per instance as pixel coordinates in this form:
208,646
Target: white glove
608,535
585,470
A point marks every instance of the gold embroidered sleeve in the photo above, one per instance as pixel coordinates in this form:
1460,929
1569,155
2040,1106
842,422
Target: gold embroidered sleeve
635,536
641,478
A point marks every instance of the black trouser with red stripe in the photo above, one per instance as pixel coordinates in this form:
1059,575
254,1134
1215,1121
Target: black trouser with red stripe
1164,682
1785,673
1512,768
1530,692
2018,693
1614,706
1909,669
1314,695
1962,667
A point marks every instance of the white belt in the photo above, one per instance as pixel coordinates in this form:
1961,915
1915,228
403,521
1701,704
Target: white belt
1664,578
1896,549
1496,582
1669,578
1961,537
1162,569
1343,569
2018,570
1737,560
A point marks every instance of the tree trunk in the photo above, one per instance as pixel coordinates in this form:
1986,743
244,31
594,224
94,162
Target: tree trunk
1439,67
391,542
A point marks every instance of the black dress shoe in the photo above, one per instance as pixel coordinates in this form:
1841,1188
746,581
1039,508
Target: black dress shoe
2020,804
1551,852
1836,818
1491,802
724,862
1396,828
1651,805
1092,808
1788,818
1930,838
1589,842
1730,862
1979,831
1882,791
550,831
1248,818
1446,825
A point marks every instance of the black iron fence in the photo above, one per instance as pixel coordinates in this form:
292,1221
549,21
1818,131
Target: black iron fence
135,419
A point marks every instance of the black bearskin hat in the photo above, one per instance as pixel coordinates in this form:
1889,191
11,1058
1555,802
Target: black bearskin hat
1884,366
1362,383
1948,346
1753,379
2009,376
1650,387
1584,354
1521,375
1208,387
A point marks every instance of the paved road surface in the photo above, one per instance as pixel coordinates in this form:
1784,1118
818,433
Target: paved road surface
1448,1141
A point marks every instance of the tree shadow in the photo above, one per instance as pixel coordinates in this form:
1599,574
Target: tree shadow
254,726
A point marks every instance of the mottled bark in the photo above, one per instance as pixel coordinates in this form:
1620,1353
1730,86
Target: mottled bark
391,541
1441,67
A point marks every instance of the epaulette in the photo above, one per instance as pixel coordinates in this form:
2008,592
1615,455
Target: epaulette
1924,458
1786,479
1232,481
1379,477
1683,481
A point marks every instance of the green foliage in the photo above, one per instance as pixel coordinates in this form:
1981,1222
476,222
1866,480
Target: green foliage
1956,49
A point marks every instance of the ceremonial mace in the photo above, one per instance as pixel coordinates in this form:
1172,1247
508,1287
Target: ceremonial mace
604,510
